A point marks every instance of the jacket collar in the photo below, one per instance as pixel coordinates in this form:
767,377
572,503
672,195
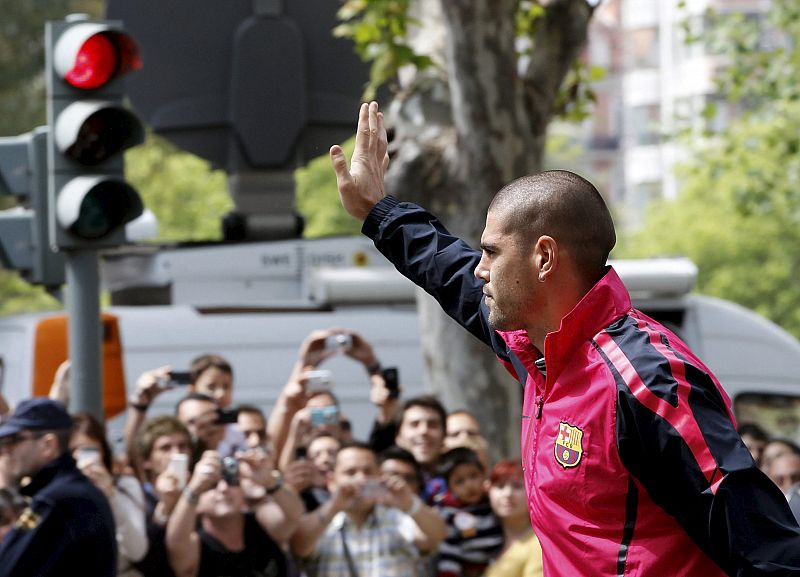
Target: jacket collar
607,301
46,474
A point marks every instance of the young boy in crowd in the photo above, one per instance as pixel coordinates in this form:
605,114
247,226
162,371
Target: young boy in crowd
474,534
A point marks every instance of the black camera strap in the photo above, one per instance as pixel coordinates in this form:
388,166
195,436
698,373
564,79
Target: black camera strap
347,556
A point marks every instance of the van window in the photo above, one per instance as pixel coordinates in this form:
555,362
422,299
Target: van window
778,415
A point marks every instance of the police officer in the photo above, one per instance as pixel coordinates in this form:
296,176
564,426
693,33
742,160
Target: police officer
67,527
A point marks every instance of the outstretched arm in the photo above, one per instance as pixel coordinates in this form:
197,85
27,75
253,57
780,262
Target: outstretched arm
410,237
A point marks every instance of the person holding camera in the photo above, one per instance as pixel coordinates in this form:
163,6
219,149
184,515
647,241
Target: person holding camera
94,458
165,447
306,382
367,527
209,534
209,375
322,415
309,471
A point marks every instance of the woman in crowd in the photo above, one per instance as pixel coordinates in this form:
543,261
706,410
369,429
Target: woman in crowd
92,453
521,555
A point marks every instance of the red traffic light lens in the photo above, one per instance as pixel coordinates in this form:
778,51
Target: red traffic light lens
95,64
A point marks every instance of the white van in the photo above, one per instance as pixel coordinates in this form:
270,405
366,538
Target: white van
255,303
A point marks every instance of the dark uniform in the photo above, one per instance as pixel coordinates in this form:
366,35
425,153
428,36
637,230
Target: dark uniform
67,529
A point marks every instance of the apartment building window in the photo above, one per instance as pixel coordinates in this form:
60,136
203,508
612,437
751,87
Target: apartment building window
645,194
646,124
642,48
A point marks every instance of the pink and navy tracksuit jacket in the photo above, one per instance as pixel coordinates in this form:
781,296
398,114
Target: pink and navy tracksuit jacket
632,462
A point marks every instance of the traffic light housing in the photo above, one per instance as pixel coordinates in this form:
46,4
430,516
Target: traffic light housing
89,200
24,244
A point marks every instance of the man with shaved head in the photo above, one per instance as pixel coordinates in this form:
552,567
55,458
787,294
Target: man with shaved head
632,461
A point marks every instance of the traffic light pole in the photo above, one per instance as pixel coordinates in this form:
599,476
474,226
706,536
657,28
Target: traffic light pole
85,338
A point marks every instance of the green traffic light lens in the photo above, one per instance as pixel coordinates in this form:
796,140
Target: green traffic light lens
107,206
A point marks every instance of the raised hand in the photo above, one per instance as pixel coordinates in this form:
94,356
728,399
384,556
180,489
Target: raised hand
361,187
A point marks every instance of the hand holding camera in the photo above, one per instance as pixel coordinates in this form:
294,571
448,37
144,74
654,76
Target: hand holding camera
314,349
177,379
255,465
398,493
207,472
339,342
360,349
373,490
90,463
149,385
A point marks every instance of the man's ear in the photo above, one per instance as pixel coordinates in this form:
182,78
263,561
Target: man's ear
545,254
50,446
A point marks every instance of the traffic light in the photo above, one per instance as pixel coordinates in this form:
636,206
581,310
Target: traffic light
24,242
90,201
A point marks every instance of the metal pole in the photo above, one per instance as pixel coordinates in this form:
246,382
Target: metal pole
85,344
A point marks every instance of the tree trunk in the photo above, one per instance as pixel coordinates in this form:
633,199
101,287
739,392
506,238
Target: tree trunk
457,141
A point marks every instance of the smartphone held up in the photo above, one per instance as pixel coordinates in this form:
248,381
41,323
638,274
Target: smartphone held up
324,416
175,379
318,381
179,467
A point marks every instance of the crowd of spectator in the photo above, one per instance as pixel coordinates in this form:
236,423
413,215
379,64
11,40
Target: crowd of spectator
778,458
220,489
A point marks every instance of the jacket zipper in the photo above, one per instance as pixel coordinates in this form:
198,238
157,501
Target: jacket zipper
539,404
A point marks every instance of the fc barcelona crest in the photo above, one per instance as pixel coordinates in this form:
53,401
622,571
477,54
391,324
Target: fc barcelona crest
569,445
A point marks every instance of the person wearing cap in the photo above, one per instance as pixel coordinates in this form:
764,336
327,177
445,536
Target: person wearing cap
67,527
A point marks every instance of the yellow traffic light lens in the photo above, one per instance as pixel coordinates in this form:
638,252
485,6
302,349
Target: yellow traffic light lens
104,133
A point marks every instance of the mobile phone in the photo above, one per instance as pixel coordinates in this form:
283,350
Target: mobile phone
179,466
300,453
373,488
339,341
230,471
392,379
87,455
180,378
324,415
319,381
227,416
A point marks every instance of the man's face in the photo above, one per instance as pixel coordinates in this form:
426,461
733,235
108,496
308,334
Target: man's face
784,470
355,466
507,267
422,433
403,470
216,384
201,418
322,453
222,501
163,449
461,430
253,428
755,446
24,454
